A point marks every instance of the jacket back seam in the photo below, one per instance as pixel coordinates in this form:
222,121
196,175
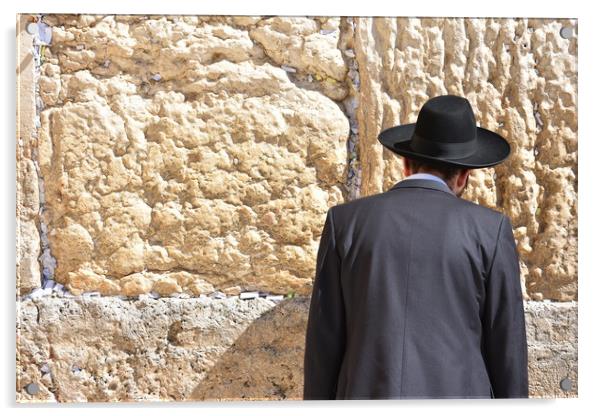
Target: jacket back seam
405,317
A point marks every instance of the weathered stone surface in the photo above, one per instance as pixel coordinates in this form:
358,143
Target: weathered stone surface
189,152
520,76
28,198
106,349
27,233
553,338
308,47
169,121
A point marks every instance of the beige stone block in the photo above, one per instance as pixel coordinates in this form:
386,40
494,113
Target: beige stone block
226,349
155,167
520,76
27,192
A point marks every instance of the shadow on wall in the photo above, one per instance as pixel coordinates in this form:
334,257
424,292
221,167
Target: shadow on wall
265,362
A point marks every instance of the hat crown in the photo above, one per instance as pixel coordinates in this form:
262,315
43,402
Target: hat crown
447,119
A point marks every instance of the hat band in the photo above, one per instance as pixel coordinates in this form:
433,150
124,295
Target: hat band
443,149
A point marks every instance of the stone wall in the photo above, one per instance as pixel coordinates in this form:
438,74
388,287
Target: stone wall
170,165
108,349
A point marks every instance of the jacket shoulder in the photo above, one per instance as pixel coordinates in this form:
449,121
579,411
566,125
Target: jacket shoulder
369,200
357,204
481,210
479,215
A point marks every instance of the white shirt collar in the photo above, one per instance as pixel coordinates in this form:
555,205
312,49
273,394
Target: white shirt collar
423,175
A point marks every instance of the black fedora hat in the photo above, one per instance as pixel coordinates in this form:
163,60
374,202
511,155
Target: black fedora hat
446,132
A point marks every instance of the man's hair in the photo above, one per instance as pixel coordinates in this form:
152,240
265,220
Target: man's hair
447,171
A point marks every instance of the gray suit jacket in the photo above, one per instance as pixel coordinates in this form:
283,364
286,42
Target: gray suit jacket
416,295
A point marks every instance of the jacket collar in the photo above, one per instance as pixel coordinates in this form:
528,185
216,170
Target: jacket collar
421,183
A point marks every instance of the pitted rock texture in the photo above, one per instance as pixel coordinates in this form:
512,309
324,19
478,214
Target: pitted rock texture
107,349
215,143
176,144
520,76
552,333
28,196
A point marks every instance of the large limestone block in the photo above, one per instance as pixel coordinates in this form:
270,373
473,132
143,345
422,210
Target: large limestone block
27,192
309,49
168,144
301,43
27,233
552,331
107,349
520,76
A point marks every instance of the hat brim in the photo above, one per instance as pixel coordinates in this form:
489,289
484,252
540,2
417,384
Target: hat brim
491,147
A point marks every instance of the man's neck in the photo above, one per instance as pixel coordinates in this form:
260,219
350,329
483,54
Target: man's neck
431,176
437,174
427,175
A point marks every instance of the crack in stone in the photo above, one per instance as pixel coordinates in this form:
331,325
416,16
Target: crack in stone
47,261
350,104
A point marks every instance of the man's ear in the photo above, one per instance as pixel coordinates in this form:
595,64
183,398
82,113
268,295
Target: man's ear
406,167
462,179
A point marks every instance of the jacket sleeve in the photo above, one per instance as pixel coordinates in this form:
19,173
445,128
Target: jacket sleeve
504,335
325,336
